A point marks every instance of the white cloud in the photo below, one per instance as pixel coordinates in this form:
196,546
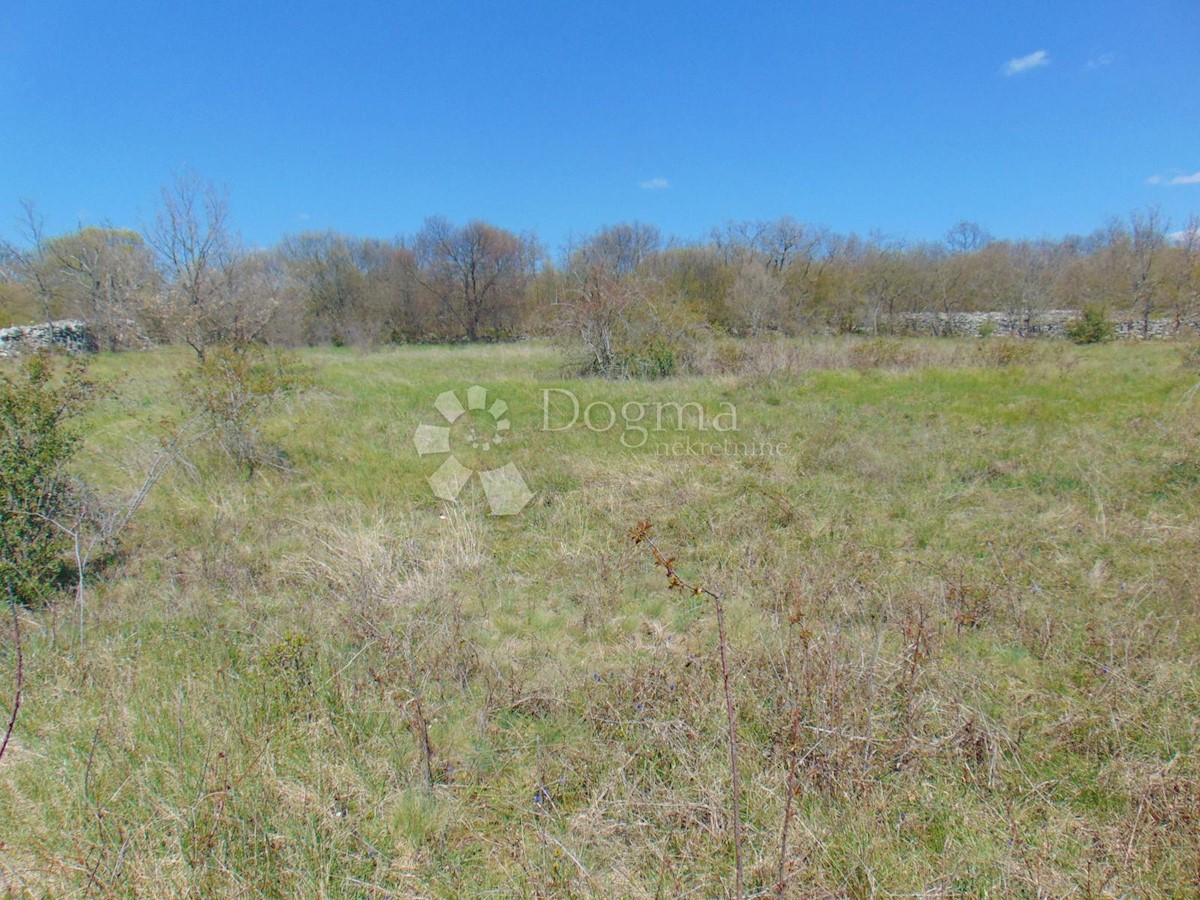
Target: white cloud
654,184
1099,62
1025,63
1174,180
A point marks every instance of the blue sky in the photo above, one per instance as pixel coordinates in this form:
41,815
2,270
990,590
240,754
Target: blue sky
1031,118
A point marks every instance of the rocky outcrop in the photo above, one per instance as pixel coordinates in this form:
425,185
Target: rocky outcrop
69,334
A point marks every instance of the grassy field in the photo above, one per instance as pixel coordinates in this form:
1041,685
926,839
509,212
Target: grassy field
962,598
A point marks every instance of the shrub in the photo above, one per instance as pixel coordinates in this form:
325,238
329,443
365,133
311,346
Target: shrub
1004,352
656,357
233,388
1093,327
1191,356
636,344
879,353
847,323
728,356
39,412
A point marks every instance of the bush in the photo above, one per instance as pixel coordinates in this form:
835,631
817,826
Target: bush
1191,356
638,343
233,389
39,412
728,356
1004,352
1093,327
880,353
656,357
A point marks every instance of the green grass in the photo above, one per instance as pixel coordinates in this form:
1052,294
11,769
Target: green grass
975,585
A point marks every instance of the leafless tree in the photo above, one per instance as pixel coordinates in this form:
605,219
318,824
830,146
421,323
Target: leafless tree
353,290
758,297
1188,271
320,267
477,273
596,298
776,243
967,237
1143,246
95,524
885,282
206,300
621,249
27,261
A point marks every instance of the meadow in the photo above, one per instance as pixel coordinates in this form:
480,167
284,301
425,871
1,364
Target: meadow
962,605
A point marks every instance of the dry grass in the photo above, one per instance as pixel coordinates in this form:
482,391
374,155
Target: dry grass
775,356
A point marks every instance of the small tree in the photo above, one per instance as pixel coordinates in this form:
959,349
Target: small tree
476,273
1093,327
1146,244
612,309
757,299
233,388
38,437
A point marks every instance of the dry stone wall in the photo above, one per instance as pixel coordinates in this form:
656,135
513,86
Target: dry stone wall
1044,323
69,334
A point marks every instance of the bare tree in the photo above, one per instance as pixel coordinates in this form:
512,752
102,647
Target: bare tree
622,249
206,301
352,290
27,261
777,243
758,297
477,273
967,237
1188,268
597,295
1036,264
95,525
784,241
1147,239
321,268
885,281
392,309
735,242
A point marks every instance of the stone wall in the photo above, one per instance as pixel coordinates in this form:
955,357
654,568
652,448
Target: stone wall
69,334
1044,323
1159,328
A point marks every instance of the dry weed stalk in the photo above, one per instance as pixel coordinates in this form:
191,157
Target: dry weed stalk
797,634
640,534
19,679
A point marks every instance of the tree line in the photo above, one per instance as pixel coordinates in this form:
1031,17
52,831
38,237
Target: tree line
187,278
